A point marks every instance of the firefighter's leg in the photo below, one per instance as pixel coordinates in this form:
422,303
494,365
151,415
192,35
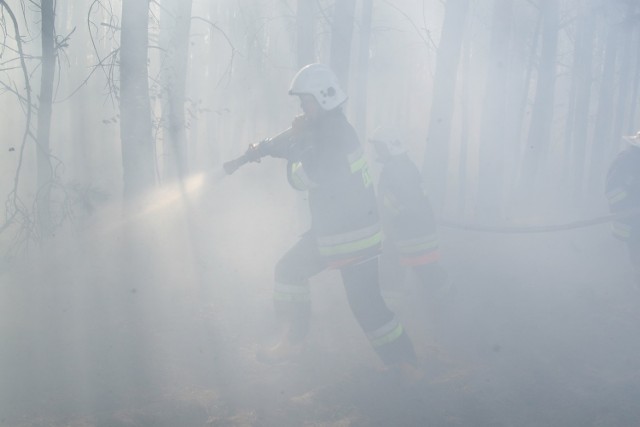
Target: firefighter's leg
291,298
383,329
392,274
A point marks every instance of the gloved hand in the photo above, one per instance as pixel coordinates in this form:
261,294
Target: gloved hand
300,141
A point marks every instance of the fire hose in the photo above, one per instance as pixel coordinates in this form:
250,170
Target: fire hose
506,229
271,146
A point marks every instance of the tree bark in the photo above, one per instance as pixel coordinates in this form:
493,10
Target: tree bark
539,135
435,163
604,115
632,119
626,42
492,137
176,25
465,98
577,129
138,151
362,73
305,45
45,171
341,37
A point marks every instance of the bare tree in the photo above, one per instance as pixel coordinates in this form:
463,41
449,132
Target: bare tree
434,167
138,151
175,30
305,32
539,135
493,131
16,210
341,38
45,170
627,42
577,126
362,71
604,115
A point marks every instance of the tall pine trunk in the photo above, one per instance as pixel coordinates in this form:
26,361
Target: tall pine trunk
539,136
581,83
633,122
138,151
465,114
45,171
626,41
305,45
176,25
435,163
604,114
362,71
492,136
341,37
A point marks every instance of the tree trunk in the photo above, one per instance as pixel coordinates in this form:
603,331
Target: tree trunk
539,136
578,118
604,115
626,42
632,120
522,102
305,46
435,164
492,137
176,25
360,120
341,37
465,102
138,151
45,171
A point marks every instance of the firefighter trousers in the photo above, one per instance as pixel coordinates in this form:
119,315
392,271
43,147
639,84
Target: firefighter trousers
293,305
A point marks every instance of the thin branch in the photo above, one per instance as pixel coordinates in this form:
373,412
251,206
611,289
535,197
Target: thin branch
14,193
428,41
234,51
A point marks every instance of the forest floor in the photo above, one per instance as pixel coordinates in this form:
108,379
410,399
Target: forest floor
159,326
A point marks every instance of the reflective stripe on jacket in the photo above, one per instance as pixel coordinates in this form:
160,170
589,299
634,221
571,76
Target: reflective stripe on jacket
351,247
334,170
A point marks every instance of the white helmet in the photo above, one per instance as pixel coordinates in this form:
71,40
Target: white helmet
321,82
633,139
387,142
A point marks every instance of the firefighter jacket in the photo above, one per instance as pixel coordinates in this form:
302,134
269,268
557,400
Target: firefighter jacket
406,211
623,193
328,162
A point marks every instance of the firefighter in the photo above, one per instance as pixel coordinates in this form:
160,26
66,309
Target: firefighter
409,223
327,160
623,194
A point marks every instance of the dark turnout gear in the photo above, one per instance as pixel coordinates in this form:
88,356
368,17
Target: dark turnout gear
409,221
292,300
623,194
407,213
325,158
327,161
332,167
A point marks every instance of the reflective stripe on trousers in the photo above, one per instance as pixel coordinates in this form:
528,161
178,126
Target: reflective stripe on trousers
621,230
291,293
386,334
418,251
